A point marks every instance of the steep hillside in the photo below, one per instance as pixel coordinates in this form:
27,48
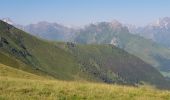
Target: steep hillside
38,54
7,59
110,63
68,61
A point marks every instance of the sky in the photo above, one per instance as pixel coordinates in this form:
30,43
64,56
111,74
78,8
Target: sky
81,12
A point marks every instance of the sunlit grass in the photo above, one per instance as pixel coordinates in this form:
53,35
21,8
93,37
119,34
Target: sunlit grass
26,89
19,85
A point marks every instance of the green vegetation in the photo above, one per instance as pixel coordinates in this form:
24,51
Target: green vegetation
114,65
7,71
19,88
41,56
16,84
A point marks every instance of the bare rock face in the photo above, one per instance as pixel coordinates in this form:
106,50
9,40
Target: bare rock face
114,41
8,20
3,42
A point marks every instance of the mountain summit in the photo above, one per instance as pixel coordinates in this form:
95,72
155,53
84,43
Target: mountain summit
8,20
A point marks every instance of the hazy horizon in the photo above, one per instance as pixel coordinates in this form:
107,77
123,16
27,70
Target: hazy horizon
78,13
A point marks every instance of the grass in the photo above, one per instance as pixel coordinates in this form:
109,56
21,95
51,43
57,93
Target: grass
19,85
30,89
7,71
107,62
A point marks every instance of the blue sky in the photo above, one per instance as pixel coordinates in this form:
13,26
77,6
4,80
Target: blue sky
80,12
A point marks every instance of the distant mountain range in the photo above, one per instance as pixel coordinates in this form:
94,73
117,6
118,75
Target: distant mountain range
50,31
150,49
45,30
158,31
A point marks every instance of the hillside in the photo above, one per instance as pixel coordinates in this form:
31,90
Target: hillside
69,61
37,54
10,72
110,64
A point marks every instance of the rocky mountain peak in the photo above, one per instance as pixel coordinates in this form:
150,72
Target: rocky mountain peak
161,23
8,20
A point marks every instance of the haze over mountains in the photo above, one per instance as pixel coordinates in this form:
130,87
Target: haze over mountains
45,30
158,31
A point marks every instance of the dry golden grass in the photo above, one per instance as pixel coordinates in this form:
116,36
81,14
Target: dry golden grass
20,85
27,89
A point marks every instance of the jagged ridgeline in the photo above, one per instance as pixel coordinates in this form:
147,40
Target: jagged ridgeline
69,61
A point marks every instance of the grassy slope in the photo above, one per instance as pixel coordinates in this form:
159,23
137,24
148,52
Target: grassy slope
7,71
61,90
9,60
54,60
148,51
110,63
17,84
